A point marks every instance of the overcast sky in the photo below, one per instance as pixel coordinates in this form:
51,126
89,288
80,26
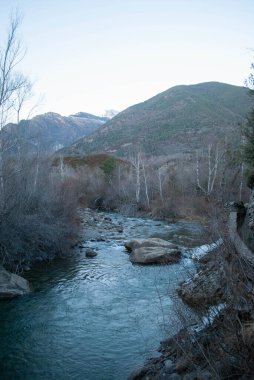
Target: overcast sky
92,55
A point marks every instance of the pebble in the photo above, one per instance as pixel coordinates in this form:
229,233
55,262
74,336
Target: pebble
90,253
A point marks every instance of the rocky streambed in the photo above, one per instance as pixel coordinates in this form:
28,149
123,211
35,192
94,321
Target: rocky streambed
95,315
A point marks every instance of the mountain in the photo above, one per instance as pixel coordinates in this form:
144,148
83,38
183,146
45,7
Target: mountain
109,114
53,131
89,116
179,120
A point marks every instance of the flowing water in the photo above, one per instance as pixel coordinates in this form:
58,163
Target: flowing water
97,318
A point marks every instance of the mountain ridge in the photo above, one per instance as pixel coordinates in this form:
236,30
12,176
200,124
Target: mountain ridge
159,123
53,131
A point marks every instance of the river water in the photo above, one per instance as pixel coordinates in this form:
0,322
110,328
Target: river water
97,318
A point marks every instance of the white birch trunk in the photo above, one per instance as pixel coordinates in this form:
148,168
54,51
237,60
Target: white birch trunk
146,187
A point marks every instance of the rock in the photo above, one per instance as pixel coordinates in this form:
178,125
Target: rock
138,374
90,253
152,251
152,242
101,238
155,255
206,288
26,267
12,285
168,363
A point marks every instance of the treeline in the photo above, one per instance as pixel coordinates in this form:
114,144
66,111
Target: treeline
190,186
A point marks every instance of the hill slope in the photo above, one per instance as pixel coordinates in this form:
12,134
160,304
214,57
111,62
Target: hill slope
178,120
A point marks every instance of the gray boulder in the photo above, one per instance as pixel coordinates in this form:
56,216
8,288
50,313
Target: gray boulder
12,285
206,288
155,255
152,251
130,245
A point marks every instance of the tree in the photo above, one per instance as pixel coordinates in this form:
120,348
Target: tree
136,162
37,221
213,162
14,87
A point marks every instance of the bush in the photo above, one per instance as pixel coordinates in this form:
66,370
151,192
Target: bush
39,215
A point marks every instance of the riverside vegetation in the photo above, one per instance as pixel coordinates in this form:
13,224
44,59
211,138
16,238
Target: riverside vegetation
41,196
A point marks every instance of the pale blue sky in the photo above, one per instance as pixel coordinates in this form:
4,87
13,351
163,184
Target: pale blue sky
101,54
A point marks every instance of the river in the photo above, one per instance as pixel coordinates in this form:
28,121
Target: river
95,318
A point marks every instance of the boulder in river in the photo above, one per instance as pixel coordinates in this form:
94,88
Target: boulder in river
130,245
152,251
12,285
155,255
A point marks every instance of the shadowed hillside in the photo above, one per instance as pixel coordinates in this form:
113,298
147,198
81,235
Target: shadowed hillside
52,131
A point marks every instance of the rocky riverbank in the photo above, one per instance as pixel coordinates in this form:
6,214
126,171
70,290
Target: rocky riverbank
209,285
221,345
98,226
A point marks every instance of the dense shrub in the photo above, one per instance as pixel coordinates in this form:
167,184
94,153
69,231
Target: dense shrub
39,214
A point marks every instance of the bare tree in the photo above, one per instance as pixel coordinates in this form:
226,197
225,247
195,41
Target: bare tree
136,162
22,95
13,87
213,163
12,82
145,183
161,172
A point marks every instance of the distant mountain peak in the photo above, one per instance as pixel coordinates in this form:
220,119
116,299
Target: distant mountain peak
89,116
53,131
110,113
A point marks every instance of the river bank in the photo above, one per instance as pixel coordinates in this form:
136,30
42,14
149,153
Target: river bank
221,345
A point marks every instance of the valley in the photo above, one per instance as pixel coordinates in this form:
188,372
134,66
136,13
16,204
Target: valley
126,237
121,226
